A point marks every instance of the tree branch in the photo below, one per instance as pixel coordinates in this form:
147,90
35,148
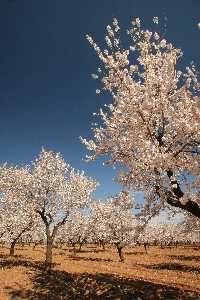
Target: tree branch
42,215
174,197
190,205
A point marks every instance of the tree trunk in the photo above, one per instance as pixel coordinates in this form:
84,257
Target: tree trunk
80,246
48,260
145,247
102,244
74,248
50,235
36,244
12,247
120,253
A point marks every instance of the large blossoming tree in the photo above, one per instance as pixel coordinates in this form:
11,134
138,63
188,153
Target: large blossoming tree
152,125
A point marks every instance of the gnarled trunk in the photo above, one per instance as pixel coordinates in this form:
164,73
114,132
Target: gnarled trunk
120,252
50,235
80,246
48,259
102,244
12,247
145,247
49,246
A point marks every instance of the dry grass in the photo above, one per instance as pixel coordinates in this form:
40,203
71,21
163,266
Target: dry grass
97,274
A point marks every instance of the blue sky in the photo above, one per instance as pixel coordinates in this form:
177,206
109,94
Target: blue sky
47,96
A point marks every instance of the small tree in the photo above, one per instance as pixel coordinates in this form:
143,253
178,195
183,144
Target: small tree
18,215
76,230
191,228
56,190
152,126
116,218
17,223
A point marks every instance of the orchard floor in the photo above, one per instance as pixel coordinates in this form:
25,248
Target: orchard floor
97,274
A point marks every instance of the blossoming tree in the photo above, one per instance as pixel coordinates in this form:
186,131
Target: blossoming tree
49,188
18,215
117,220
17,222
76,230
56,191
152,126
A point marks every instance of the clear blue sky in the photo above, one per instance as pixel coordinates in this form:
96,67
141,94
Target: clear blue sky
47,96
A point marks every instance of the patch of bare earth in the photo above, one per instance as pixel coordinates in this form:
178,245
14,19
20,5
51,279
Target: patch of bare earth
97,274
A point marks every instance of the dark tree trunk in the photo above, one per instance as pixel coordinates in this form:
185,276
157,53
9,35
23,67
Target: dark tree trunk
103,245
74,248
35,245
80,246
170,246
2,234
120,252
12,247
145,247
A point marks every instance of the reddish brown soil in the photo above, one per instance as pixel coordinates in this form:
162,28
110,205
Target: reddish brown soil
97,274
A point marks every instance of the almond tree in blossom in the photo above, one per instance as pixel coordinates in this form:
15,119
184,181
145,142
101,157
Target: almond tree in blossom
99,233
49,188
56,191
191,228
76,230
117,220
18,215
17,222
152,125
2,226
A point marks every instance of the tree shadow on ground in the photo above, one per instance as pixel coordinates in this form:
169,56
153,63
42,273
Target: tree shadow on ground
183,257
91,250
72,257
15,262
136,253
87,250
5,256
9,262
59,285
173,266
